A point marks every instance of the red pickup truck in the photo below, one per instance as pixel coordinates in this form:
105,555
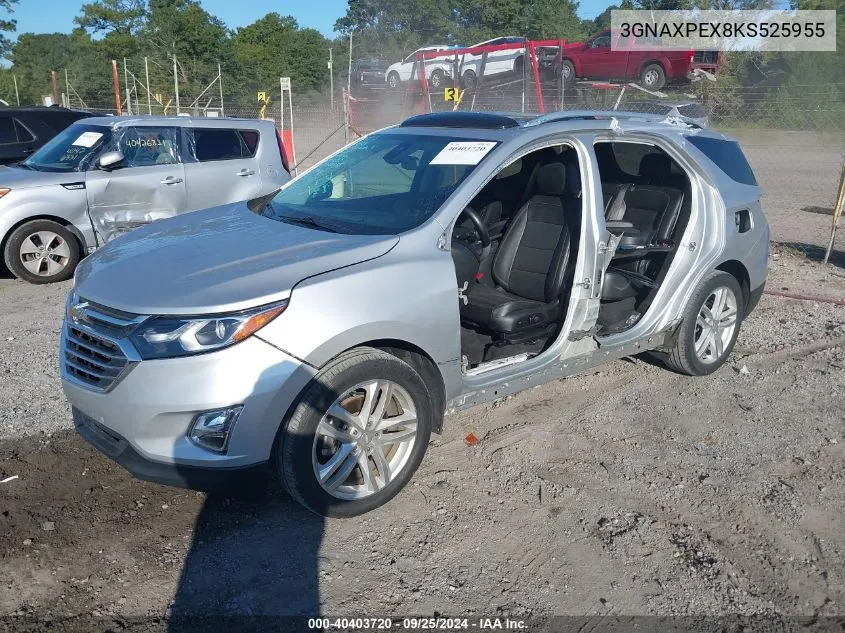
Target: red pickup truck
653,69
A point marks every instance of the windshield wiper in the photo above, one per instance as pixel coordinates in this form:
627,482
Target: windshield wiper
306,220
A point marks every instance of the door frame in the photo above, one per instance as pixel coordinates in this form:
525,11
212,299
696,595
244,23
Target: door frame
582,310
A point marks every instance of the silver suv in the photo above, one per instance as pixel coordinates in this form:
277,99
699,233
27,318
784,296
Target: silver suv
426,268
102,176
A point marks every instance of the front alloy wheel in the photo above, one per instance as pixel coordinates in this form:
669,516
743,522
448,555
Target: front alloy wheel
356,436
42,251
365,439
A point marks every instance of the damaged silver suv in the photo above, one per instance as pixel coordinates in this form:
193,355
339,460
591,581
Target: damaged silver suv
102,176
449,261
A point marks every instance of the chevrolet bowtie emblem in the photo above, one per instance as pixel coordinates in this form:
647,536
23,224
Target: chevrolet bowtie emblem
77,313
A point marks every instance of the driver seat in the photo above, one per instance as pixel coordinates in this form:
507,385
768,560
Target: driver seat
529,267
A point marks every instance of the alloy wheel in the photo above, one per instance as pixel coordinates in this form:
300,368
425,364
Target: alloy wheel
44,253
715,324
365,439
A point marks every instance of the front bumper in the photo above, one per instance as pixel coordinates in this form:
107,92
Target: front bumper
143,420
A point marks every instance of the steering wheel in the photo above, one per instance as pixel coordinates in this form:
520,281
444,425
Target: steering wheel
480,226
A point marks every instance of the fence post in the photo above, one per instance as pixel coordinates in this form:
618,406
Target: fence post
837,213
176,84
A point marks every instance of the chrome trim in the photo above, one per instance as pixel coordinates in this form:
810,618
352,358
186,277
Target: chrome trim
95,350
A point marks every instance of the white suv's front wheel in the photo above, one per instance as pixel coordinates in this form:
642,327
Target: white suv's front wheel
358,433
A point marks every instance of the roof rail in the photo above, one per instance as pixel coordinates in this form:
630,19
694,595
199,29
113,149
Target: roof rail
592,115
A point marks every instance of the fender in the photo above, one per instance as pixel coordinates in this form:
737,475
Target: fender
67,206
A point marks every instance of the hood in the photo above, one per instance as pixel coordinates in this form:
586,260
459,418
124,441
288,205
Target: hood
219,260
20,178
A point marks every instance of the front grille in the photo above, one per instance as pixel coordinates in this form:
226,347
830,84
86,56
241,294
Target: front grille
92,354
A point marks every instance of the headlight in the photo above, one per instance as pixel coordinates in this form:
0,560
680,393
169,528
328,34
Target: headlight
168,337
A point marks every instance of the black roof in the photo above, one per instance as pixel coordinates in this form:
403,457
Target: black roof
478,120
13,109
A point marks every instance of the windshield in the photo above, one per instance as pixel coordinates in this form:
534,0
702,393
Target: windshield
382,185
70,150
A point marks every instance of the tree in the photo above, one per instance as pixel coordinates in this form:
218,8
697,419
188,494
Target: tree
118,22
6,26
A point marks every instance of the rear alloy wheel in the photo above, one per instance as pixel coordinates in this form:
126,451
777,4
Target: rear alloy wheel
437,78
653,77
710,326
357,435
470,80
567,70
41,252
393,80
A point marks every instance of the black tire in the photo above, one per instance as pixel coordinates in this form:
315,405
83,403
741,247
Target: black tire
682,358
393,81
519,66
469,80
567,69
437,79
295,442
653,77
21,235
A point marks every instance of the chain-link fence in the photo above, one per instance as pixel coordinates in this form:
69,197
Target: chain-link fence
794,138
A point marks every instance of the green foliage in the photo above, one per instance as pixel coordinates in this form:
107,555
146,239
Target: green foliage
6,26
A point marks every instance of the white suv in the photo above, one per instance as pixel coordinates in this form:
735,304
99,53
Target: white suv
437,70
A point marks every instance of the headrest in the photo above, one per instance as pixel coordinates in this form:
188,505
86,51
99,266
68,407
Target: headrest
573,178
655,166
551,179
511,170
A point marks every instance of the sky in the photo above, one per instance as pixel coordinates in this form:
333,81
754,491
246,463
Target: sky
51,16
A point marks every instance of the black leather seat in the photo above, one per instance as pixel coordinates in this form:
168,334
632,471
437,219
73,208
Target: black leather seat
644,215
647,213
530,265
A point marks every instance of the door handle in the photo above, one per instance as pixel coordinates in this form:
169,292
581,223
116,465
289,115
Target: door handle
246,172
170,180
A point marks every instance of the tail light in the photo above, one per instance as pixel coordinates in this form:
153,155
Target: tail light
282,152
691,57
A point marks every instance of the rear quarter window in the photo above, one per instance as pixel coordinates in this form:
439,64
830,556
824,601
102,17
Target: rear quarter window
727,156
692,110
213,144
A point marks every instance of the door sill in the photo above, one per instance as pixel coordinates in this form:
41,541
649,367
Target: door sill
497,364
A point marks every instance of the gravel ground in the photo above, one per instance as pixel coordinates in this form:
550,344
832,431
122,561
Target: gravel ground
625,491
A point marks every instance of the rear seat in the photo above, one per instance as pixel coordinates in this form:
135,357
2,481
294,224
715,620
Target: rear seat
644,213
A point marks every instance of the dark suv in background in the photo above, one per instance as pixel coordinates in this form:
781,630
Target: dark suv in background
368,75
24,130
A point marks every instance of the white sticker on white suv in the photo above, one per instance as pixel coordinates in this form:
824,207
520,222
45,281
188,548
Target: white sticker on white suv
87,139
463,153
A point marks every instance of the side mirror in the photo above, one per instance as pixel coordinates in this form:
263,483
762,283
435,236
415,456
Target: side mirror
110,160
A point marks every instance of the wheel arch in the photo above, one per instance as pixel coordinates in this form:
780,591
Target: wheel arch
421,362
70,226
738,270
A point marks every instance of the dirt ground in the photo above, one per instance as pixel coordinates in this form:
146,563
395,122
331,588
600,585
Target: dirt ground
626,491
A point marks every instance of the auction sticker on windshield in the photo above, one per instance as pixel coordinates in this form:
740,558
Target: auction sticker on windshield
463,153
87,139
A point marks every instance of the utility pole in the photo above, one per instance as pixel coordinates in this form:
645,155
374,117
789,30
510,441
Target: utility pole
176,84
55,86
116,84
147,76
17,96
331,78
220,83
67,89
128,94
348,95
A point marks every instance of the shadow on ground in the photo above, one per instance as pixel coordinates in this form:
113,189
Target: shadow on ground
252,565
814,252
